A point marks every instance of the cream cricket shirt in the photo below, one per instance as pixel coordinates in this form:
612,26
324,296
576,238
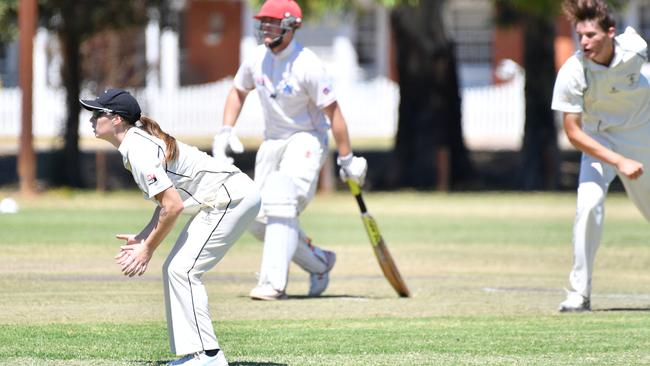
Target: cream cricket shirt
195,174
610,98
293,86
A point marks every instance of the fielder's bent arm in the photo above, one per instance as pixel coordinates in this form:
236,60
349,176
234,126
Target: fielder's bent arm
339,128
171,206
150,226
632,169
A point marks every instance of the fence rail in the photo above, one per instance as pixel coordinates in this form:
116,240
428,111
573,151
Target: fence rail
492,117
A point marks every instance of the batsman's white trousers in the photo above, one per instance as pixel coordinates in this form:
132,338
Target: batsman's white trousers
595,178
300,157
200,246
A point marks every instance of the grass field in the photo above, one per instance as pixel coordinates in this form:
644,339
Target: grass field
486,271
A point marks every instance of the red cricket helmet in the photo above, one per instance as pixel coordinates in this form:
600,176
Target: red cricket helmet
279,9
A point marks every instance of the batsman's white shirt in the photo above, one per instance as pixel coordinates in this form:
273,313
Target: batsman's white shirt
614,103
293,86
226,202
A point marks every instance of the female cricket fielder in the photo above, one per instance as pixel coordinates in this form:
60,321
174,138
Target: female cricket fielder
296,95
605,102
177,177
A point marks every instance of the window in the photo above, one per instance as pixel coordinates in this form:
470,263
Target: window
471,27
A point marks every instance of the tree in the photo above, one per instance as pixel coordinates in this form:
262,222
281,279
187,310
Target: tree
429,148
75,21
539,151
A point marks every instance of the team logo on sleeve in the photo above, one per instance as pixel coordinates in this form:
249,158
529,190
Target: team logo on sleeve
151,179
326,90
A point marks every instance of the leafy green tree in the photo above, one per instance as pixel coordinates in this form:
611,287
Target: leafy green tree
429,148
8,20
75,21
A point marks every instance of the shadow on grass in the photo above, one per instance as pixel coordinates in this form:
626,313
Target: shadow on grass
306,297
240,363
622,309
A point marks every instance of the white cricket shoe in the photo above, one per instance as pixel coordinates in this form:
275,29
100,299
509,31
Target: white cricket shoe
267,292
201,359
574,303
318,281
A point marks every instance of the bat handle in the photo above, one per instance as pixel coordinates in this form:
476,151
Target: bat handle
354,187
356,192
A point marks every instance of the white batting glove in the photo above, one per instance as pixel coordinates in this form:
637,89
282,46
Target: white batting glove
352,167
224,140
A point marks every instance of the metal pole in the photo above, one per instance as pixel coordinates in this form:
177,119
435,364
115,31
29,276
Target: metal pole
27,13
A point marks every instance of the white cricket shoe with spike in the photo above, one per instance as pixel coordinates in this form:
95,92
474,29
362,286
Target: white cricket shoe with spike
201,359
318,281
574,303
267,292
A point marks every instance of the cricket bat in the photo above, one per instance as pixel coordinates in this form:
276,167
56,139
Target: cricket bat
379,247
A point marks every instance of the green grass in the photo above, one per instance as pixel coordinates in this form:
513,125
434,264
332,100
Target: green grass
486,272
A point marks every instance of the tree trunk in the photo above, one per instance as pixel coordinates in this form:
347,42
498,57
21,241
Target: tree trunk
71,156
540,162
429,149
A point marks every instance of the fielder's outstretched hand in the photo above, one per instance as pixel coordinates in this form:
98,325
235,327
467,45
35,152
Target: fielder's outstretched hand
133,258
130,238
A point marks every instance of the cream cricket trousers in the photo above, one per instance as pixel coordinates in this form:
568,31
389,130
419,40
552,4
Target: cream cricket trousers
205,239
594,181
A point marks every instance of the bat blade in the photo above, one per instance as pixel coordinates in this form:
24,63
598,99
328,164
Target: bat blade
386,262
384,258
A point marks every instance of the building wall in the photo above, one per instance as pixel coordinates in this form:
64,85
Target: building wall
211,39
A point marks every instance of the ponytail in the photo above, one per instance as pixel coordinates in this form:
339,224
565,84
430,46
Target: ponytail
154,129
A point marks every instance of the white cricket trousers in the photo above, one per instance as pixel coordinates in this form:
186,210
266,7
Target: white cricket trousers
299,158
200,246
594,181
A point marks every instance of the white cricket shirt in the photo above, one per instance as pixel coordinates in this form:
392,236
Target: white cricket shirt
293,86
610,98
196,175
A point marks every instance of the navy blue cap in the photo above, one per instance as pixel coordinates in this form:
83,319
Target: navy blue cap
116,101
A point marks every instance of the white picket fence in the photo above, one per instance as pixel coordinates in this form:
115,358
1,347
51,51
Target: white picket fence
493,116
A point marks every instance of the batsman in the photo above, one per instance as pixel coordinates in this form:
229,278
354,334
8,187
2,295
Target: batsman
300,107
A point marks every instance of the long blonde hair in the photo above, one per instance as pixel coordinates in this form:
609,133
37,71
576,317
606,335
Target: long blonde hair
153,128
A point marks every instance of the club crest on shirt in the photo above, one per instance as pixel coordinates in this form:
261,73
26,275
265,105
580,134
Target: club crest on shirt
151,179
632,78
326,90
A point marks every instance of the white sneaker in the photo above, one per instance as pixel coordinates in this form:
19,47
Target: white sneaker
574,303
318,281
201,359
266,292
